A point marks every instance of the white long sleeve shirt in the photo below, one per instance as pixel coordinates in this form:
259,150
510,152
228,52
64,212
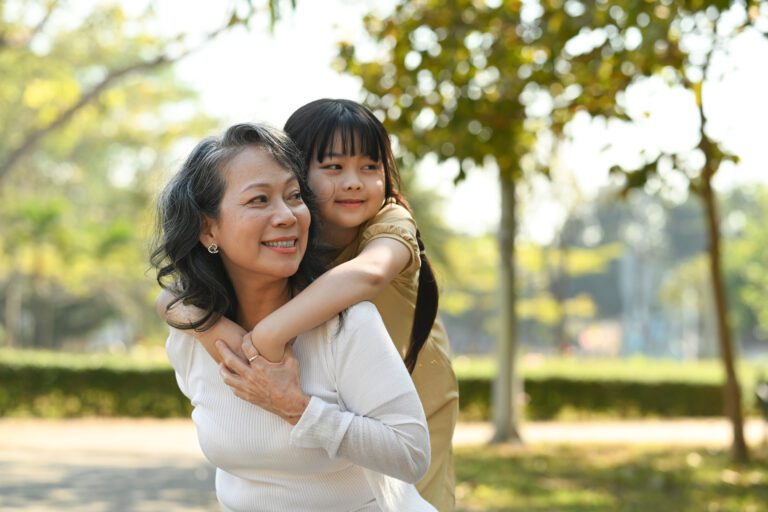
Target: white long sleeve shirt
359,446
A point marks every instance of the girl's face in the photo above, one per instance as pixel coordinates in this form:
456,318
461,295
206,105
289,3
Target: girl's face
263,223
350,191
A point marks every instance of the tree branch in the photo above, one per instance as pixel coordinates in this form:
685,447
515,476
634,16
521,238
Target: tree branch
32,139
26,39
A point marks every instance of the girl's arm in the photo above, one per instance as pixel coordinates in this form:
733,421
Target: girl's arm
224,329
361,278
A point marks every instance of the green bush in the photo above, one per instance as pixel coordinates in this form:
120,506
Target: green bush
66,385
548,398
60,392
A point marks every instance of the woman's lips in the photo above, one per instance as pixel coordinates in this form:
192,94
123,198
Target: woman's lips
282,246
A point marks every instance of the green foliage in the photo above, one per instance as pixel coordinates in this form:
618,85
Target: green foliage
53,384
66,392
745,261
606,478
86,144
552,397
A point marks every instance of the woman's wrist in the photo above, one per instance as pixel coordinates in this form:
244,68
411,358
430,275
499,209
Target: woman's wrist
296,411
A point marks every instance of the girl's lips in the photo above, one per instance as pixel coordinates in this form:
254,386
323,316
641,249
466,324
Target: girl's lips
350,203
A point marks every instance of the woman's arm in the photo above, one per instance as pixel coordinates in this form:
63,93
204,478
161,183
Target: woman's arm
361,278
224,329
379,423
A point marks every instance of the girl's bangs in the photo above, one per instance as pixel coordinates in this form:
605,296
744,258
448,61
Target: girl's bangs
357,135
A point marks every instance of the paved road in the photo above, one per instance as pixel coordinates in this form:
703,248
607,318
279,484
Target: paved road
95,465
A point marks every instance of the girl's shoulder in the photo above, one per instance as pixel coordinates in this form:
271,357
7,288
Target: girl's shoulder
392,212
396,222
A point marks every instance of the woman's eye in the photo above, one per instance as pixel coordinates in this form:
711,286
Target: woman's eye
258,200
295,196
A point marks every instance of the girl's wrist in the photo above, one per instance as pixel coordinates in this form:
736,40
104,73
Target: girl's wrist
262,336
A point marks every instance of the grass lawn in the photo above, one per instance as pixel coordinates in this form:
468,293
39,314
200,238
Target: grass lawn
580,478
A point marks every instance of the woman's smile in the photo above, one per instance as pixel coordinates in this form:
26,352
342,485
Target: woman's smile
283,245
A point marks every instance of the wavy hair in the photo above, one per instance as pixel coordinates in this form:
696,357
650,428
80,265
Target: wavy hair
183,265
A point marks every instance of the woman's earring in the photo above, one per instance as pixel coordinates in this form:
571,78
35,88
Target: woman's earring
213,248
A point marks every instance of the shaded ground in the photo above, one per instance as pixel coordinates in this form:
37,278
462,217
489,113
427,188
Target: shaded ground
155,465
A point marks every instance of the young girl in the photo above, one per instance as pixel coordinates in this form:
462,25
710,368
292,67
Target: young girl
376,255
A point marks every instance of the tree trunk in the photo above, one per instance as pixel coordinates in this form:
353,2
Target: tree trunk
732,390
506,413
12,313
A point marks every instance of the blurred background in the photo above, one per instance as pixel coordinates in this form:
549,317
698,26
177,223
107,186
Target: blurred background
590,178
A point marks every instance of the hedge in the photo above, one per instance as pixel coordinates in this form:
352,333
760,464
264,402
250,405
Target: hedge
551,397
62,391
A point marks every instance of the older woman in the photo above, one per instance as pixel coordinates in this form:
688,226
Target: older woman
235,240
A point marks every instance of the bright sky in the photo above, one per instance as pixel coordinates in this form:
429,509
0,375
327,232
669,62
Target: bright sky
264,77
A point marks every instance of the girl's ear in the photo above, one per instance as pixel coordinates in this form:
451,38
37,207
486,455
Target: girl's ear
207,232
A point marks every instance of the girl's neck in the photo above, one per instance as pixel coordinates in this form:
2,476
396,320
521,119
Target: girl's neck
256,300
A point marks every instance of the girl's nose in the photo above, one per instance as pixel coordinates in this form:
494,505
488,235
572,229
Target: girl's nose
352,182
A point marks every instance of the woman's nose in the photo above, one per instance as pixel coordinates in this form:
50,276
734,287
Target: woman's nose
283,215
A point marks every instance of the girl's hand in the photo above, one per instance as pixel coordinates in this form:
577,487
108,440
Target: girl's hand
272,386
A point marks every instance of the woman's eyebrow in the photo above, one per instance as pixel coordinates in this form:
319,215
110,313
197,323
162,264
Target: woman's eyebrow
265,184
255,185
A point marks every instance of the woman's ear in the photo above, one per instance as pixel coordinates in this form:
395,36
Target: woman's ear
207,232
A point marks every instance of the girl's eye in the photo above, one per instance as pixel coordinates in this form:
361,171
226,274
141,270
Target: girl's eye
331,167
295,196
372,167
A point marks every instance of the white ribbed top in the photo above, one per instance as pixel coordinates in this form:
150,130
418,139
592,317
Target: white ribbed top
362,437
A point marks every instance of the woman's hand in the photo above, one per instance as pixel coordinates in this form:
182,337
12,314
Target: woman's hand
272,386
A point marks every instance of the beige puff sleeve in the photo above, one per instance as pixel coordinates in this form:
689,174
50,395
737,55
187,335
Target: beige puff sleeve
394,221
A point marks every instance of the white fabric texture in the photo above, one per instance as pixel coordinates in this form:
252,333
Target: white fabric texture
360,444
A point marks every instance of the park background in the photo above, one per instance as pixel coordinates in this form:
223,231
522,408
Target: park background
587,142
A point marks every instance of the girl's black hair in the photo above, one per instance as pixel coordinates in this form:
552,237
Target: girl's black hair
183,265
314,128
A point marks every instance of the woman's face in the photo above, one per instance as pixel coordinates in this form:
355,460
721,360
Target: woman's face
263,222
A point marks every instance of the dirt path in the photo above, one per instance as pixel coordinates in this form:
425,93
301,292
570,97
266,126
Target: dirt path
147,465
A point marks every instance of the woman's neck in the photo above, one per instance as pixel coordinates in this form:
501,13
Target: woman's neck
338,237
258,300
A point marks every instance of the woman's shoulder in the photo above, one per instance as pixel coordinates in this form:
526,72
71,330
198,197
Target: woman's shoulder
355,316
361,313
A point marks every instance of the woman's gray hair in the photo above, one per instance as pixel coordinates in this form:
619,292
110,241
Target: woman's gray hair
183,265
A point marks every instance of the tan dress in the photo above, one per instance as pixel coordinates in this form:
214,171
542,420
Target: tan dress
434,378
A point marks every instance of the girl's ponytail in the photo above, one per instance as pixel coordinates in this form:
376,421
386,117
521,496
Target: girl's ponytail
426,308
